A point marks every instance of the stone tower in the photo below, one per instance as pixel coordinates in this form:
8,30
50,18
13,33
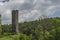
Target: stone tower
15,28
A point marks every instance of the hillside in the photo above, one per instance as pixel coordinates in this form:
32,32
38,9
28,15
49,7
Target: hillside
45,29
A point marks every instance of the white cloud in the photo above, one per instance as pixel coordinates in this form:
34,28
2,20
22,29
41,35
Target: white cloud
1,4
29,10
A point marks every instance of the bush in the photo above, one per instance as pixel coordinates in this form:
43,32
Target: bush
16,37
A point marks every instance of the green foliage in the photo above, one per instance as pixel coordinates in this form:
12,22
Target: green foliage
16,37
45,29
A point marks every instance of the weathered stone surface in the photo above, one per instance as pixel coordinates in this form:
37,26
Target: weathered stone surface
15,21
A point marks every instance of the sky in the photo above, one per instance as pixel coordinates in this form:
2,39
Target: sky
29,10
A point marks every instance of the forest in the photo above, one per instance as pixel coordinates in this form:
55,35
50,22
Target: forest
42,29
